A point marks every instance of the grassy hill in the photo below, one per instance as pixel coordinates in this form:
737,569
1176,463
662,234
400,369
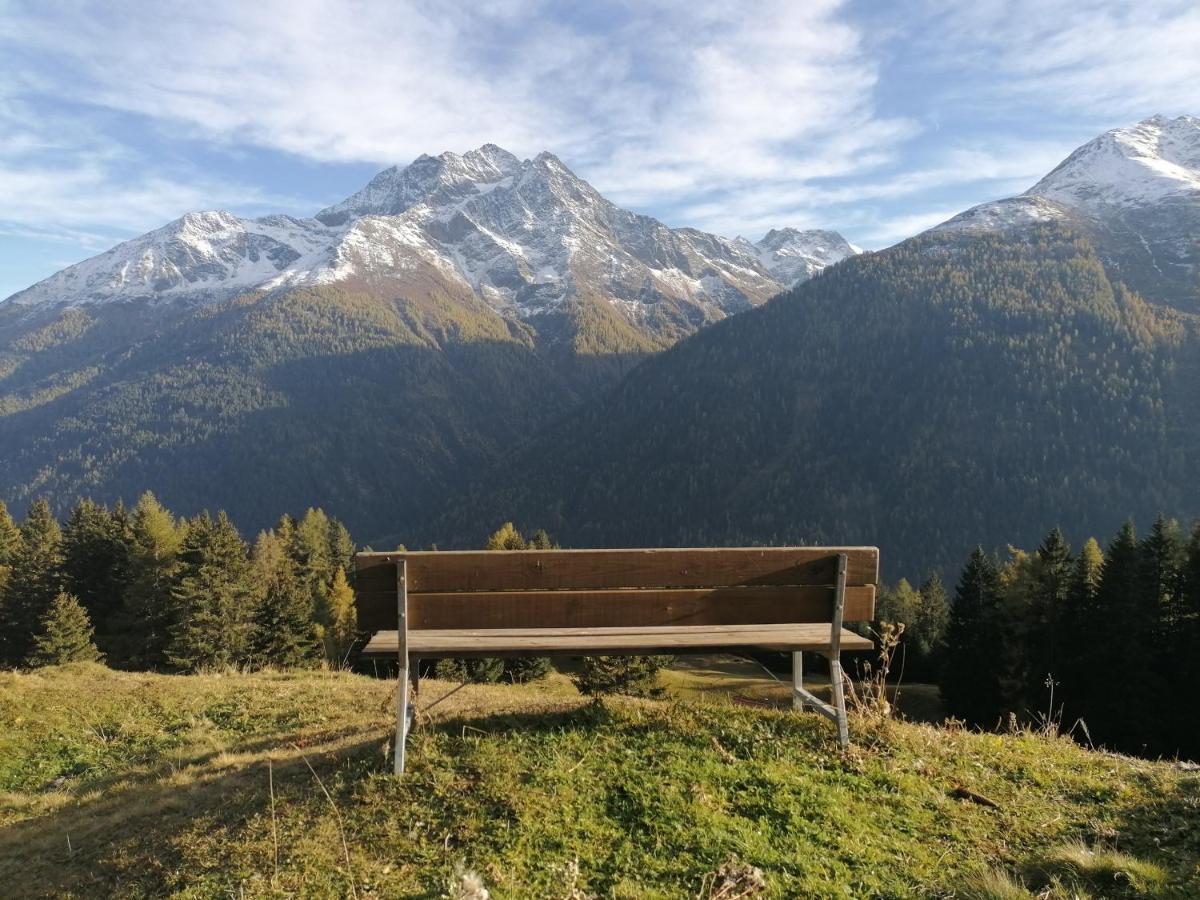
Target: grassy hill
276,785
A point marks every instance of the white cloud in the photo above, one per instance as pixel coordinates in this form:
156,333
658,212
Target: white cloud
1113,57
649,99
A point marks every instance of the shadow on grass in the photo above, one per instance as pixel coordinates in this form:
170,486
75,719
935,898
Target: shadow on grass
122,836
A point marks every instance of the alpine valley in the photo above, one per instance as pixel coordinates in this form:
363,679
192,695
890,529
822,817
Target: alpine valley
477,338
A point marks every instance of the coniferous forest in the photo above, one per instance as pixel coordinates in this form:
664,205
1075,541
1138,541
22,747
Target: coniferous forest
1098,641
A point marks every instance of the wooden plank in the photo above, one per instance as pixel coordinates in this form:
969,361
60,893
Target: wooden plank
594,609
515,570
584,641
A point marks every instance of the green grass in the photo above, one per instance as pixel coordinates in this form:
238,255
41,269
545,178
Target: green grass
130,785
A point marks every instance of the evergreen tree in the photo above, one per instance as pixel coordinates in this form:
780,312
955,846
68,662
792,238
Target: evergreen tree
10,536
342,630
633,675
1187,642
65,635
1012,633
1078,633
968,682
541,540
933,616
341,550
153,560
10,540
96,562
285,634
212,597
1048,605
33,582
1114,702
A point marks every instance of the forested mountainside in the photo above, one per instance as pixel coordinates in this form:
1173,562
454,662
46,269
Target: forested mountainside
344,392
373,356
959,387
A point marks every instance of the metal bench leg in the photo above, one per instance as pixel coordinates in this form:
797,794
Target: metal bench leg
839,701
401,717
402,687
797,681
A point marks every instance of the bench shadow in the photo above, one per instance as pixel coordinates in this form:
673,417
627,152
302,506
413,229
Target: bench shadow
120,837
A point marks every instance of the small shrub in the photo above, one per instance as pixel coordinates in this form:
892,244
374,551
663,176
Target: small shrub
633,675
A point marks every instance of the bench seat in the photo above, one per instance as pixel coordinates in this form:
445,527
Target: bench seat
586,641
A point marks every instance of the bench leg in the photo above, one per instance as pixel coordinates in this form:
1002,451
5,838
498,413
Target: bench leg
401,718
839,701
797,681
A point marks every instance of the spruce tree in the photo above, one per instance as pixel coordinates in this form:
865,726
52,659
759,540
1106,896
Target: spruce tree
212,597
1079,630
968,680
96,563
10,536
153,559
34,580
1119,655
10,540
1048,605
65,635
285,634
933,616
1187,642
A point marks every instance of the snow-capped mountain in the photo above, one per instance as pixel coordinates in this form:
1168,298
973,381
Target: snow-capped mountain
793,256
526,236
1135,191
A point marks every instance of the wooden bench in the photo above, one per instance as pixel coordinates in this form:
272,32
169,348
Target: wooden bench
611,602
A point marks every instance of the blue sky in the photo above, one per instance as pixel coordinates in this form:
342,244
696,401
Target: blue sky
875,118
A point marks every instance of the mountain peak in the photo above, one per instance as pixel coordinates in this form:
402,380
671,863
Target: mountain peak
1135,165
792,255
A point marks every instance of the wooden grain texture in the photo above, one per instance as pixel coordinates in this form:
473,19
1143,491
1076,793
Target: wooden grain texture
594,609
531,570
584,641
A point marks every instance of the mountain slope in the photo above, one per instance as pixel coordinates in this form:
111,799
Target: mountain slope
1135,191
530,239
365,359
953,389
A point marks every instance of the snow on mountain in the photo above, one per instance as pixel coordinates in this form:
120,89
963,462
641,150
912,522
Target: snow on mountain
524,235
1139,165
204,253
793,256
1153,162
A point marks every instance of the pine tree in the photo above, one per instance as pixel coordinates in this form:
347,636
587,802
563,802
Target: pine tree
153,560
10,540
1187,640
933,617
96,562
33,582
212,597
342,630
1118,652
968,682
1048,605
285,634
10,536
1078,634
65,635
341,549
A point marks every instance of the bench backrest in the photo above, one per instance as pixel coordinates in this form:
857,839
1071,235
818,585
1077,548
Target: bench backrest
608,588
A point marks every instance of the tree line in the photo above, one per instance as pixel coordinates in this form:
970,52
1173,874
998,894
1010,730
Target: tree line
142,588
1100,642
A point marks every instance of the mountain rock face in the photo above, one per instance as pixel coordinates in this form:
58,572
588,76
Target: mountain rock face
793,256
532,240
1135,191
